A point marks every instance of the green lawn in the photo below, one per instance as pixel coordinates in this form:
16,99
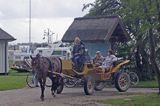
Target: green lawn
15,73
14,80
143,100
147,84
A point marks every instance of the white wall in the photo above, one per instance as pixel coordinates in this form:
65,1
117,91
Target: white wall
2,57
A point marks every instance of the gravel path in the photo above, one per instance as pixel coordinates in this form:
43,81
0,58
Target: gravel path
69,97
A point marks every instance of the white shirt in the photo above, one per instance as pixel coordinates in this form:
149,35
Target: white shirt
109,60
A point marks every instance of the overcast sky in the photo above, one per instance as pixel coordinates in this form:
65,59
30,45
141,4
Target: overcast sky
57,15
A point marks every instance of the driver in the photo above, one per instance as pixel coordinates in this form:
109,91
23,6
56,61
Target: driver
78,54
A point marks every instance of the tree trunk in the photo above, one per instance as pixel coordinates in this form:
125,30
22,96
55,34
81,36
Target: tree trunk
153,56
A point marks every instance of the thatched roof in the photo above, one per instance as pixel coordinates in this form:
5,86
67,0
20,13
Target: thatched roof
96,29
5,36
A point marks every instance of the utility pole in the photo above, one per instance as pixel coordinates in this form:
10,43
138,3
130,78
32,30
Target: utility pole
48,34
30,21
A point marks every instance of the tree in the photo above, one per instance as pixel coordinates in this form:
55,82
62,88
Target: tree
145,28
142,20
102,7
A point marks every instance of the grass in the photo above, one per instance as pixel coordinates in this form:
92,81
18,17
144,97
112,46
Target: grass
14,80
143,100
15,73
147,84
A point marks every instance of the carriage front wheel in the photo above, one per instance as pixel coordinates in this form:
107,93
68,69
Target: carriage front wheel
30,80
89,85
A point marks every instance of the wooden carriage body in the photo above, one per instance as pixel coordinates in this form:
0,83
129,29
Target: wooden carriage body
98,73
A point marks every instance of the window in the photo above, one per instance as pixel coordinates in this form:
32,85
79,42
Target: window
56,53
40,51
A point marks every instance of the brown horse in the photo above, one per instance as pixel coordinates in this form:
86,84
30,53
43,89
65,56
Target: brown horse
44,67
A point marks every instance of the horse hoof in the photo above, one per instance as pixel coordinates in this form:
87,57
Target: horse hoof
53,95
42,99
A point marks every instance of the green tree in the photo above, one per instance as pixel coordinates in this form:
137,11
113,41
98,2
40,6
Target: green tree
102,7
142,20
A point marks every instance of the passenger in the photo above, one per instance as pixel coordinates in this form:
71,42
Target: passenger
109,59
98,59
78,54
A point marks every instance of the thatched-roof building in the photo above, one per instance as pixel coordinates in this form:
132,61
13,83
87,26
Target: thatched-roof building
98,33
4,39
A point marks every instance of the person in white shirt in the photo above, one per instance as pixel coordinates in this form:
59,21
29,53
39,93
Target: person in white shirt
109,59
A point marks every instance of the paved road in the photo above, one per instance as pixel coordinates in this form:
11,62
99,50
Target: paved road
69,97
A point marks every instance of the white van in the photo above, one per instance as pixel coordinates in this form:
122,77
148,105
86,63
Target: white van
62,52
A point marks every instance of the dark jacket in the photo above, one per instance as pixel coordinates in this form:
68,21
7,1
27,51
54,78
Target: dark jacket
79,50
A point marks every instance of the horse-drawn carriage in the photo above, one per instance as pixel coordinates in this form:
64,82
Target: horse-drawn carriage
94,77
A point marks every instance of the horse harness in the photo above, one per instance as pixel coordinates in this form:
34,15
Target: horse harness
51,65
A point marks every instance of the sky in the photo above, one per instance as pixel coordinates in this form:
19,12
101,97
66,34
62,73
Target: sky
57,15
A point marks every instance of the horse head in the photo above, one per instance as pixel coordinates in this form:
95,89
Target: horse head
35,63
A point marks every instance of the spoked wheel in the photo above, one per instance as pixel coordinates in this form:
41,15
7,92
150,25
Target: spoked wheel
48,82
134,78
69,83
89,85
122,81
30,81
99,86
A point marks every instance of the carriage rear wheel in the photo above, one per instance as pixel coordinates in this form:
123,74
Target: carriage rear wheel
122,81
89,85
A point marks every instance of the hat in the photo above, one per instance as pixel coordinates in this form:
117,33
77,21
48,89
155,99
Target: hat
98,52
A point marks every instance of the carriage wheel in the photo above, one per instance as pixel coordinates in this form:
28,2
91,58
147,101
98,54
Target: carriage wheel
30,80
99,86
134,78
69,83
48,82
89,85
122,81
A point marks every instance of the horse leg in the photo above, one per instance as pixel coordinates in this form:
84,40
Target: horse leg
50,75
54,85
42,84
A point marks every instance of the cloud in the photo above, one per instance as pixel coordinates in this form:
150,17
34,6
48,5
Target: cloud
19,28
42,8
54,14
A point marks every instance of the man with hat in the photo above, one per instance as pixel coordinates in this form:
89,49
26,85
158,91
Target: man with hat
98,59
